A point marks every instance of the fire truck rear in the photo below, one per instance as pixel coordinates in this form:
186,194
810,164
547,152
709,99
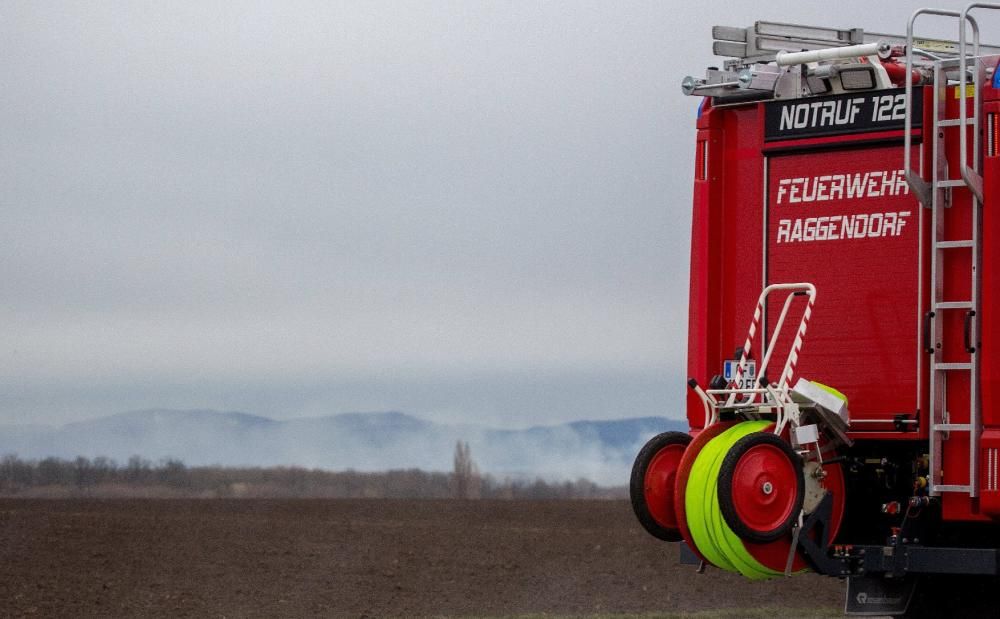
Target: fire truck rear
844,401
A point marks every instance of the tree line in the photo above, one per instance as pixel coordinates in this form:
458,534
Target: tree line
139,477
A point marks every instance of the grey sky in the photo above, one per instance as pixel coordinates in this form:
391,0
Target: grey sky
469,211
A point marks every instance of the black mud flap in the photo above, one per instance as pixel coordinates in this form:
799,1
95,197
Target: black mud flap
879,596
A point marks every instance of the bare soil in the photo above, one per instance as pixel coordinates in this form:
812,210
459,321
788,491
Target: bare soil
357,558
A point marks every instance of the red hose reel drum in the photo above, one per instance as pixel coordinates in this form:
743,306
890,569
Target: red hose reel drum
764,522
761,521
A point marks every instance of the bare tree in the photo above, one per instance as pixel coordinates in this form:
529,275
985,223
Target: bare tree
467,482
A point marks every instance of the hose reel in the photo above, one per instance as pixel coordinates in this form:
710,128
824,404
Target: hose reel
737,495
739,492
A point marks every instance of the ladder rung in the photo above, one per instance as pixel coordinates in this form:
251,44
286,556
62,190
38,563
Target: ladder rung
952,366
953,305
950,488
955,182
952,427
952,244
954,122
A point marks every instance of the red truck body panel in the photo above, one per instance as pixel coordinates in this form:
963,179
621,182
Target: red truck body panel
835,210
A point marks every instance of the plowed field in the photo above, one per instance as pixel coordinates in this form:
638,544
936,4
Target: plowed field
357,558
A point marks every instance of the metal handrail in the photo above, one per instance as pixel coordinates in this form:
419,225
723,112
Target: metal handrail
915,180
776,397
971,177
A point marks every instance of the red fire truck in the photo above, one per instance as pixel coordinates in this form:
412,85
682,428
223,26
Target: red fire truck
844,402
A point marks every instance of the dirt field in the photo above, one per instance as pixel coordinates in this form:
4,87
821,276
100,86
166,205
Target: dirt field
356,558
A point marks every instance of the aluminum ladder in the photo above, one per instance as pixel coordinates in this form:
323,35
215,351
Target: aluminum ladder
937,195
762,41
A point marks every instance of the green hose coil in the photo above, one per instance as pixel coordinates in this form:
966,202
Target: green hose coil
709,530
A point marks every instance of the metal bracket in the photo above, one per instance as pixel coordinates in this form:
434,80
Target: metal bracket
817,552
920,188
903,423
914,559
896,561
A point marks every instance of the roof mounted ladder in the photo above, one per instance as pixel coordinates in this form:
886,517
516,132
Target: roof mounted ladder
762,41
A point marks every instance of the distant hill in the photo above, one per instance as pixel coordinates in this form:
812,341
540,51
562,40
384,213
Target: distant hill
601,451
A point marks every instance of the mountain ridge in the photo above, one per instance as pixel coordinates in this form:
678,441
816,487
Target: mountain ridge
599,450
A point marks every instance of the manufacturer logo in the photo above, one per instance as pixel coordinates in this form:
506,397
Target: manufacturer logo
863,598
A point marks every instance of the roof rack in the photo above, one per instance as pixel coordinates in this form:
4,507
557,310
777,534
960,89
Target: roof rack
768,61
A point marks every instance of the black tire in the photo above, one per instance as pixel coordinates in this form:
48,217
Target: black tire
638,481
726,503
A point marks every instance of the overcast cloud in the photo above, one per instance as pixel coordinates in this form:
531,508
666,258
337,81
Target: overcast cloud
469,211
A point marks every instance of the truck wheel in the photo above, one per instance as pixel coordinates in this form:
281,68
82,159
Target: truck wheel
652,484
761,487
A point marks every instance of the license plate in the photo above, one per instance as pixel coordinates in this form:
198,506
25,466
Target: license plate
749,377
